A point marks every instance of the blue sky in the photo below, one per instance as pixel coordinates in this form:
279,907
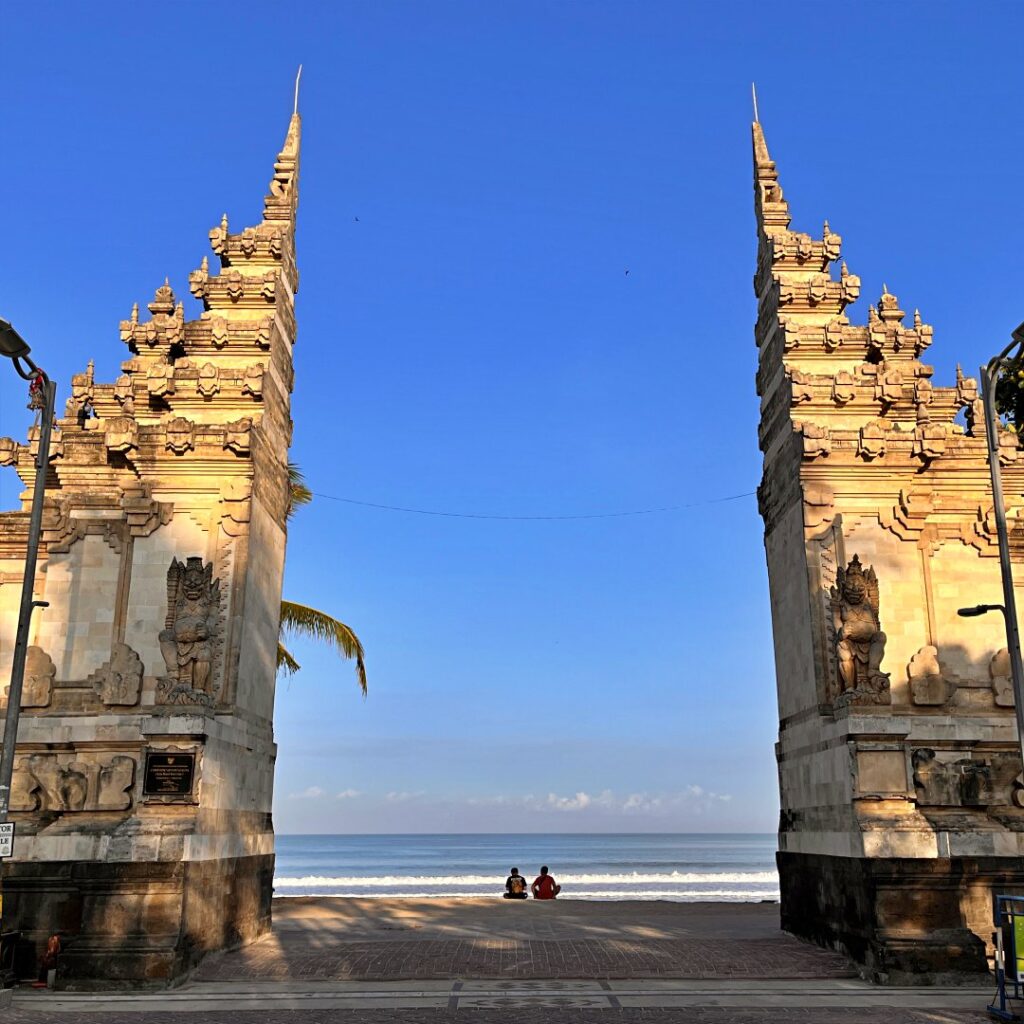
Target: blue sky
472,343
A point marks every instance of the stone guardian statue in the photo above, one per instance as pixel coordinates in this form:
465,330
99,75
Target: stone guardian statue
860,642
187,642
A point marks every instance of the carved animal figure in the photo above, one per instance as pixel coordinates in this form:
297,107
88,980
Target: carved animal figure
193,607
860,642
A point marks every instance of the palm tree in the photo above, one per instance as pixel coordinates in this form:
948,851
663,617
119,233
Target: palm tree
301,620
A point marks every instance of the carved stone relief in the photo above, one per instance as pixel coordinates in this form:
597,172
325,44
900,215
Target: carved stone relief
235,289
930,441
824,555
236,508
928,686
844,387
37,688
187,641
889,387
219,331
8,451
802,387
120,433
180,435
208,381
160,380
79,781
253,383
1002,680
264,333
819,508
860,642
949,778
817,440
871,441
236,435
119,681
143,512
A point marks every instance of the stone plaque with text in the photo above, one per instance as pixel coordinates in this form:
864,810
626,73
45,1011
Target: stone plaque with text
169,774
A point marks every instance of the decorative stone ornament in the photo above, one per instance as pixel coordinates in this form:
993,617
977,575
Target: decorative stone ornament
860,642
119,681
187,641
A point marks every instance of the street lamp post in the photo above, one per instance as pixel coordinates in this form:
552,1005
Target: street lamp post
42,393
989,374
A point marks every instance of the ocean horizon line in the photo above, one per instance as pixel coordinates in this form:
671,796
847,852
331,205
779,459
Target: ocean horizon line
375,835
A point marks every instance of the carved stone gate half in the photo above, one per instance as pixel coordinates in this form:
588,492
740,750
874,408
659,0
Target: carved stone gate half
145,756
898,762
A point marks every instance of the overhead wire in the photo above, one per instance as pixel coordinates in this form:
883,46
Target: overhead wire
560,518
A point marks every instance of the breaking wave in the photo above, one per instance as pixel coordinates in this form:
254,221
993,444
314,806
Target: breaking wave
460,881
738,886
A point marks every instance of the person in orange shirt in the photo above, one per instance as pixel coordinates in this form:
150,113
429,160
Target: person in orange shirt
544,887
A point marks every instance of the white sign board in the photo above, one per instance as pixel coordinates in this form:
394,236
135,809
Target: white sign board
6,839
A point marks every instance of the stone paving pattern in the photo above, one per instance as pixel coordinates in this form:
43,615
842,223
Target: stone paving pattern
392,940
521,1015
418,959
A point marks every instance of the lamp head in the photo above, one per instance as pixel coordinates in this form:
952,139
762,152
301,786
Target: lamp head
12,344
978,609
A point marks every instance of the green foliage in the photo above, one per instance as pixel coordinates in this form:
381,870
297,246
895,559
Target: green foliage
1010,394
299,493
301,620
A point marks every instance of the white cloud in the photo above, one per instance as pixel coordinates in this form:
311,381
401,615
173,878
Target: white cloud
311,793
347,794
399,798
569,803
693,799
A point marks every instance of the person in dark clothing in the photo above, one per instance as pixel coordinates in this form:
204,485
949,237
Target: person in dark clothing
515,886
544,887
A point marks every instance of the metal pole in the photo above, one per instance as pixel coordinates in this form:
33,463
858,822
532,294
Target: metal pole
988,375
28,603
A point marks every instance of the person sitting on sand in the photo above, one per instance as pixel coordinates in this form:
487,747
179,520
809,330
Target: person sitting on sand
515,886
544,887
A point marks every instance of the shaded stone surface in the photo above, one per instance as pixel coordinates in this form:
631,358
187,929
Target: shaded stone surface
134,924
908,920
408,939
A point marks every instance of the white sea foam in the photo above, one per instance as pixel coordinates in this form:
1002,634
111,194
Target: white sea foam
462,882
724,895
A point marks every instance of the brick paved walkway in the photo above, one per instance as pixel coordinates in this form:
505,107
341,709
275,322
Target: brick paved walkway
391,940
781,957
520,1015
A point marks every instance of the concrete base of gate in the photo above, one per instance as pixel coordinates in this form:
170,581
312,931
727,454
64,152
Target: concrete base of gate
135,925
905,921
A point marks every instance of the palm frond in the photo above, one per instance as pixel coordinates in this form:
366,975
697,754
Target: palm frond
299,493
286,662
301,620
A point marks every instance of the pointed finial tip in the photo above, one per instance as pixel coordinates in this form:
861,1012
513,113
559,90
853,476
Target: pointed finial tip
167,282
753,94
885,290
298,76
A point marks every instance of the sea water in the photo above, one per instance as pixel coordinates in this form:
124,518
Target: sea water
681,867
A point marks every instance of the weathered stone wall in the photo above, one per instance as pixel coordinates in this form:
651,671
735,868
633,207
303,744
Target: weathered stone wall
902,800
162,560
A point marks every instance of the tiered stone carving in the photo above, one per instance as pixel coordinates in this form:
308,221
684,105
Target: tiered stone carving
897,791
180,459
